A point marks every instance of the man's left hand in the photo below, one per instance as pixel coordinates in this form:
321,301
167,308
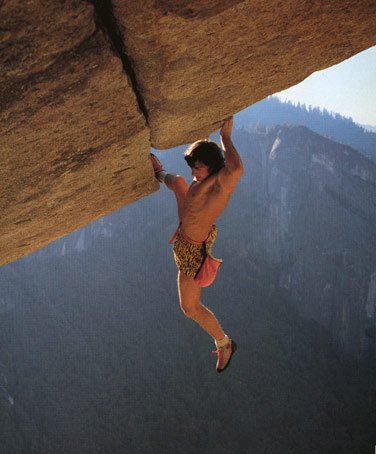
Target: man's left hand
227,126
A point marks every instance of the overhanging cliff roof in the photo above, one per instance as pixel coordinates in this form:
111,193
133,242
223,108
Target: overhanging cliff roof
87,88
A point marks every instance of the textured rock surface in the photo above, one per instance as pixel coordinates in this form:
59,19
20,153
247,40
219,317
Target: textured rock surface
73,142
77,99
208,59
311,215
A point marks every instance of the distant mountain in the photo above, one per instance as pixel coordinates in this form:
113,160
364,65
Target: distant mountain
79,240
307,206
96,356
272,111
369,128
311,213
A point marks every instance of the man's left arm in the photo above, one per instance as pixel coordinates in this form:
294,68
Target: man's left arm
231,173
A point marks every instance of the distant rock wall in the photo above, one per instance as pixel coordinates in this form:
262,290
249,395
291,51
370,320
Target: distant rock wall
85,88
371,297
314,200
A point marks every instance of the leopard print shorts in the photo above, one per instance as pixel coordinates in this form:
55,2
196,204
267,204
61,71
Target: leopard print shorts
188,256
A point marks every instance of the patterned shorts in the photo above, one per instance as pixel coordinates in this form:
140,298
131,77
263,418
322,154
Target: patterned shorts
189,256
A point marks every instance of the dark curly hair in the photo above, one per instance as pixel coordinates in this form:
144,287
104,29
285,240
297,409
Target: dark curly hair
206,151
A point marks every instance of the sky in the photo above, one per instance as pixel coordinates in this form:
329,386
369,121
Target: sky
348,88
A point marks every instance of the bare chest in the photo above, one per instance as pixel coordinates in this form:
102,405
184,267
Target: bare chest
206,197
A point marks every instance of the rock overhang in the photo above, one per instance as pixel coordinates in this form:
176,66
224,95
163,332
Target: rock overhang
79,110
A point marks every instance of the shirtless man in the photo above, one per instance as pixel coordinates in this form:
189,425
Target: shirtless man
199,205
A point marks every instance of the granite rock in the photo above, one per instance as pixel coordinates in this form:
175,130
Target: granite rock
85,88
73,140
199,61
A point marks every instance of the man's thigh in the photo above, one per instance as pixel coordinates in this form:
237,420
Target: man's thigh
189,291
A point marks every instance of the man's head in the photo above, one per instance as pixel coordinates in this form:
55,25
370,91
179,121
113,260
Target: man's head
204,153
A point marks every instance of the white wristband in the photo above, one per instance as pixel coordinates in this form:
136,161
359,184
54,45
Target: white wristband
161,175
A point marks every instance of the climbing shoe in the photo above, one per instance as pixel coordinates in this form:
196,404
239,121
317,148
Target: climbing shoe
224,355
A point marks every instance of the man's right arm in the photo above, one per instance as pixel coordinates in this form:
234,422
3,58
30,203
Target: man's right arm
175,183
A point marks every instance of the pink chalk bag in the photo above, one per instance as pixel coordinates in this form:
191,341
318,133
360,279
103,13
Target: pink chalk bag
208,271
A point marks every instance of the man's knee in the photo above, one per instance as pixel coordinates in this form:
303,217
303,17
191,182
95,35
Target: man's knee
191,310
189,296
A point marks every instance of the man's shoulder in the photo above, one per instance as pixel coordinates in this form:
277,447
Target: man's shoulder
229,178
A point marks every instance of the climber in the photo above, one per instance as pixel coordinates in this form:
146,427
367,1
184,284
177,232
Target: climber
199,205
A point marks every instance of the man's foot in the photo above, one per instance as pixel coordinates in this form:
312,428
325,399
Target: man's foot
224,355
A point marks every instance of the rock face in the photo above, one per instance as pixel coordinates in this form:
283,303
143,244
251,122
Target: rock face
208,59
73,141
86,88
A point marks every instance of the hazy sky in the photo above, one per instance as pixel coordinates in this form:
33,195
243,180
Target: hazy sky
348,88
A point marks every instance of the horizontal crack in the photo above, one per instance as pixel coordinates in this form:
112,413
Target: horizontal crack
106,22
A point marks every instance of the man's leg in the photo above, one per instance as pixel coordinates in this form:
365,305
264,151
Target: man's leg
189,296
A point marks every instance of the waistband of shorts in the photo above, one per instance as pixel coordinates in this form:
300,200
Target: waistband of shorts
187,238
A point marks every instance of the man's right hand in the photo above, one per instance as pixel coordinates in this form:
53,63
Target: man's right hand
157,165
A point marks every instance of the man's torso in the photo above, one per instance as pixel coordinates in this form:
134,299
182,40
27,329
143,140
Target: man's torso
204,202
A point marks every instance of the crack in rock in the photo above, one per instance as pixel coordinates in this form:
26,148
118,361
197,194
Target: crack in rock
106,21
